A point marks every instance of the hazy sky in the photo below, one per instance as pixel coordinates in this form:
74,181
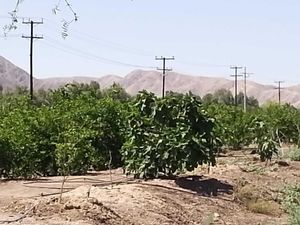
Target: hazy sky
206,37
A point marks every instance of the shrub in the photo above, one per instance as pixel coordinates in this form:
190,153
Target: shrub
295,154
166,136
291,202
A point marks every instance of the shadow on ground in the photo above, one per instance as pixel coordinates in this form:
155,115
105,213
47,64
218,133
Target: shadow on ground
204,186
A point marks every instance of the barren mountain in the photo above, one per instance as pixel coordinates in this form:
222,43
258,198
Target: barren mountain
12,76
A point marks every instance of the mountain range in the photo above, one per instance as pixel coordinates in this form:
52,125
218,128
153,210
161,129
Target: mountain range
12,76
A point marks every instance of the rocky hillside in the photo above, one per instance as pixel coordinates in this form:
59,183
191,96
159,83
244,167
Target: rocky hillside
12,76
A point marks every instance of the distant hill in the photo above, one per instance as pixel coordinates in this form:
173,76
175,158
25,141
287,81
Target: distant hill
12,76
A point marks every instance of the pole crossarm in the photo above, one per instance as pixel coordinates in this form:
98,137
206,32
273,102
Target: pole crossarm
236,75
164,69
31,37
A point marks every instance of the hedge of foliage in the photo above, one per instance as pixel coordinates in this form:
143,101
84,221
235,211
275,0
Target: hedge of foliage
77,127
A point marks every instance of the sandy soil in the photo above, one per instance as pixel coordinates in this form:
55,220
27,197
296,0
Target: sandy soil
219,197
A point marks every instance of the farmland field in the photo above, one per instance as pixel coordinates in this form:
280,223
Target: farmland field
175,160
240,190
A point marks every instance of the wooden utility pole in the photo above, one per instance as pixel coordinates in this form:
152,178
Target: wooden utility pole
235,68
279,89
164,69
31,37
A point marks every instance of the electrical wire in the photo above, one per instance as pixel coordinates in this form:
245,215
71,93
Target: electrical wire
78,52
88,38
6,36
202,64
129,50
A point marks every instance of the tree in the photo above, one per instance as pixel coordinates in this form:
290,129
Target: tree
116,92
94,85
208,98
224,96
167,135
252,101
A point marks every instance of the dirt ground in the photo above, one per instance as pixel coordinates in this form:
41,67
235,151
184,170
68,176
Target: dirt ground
240,190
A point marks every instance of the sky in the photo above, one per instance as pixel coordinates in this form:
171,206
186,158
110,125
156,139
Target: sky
118,36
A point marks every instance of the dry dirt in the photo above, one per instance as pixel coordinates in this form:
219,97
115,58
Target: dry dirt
228,194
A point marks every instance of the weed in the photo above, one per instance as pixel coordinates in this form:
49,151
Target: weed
264,207
295,154
291,202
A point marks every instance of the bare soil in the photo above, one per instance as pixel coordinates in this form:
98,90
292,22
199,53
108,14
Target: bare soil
240,190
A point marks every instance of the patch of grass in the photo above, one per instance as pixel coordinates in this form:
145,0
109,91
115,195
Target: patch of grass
257,200
295,154
291,202
208,220
247,193
264,207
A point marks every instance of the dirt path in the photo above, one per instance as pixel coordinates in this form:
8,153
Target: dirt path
215,198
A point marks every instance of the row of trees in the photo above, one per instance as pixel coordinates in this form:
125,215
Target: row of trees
79,126
222,96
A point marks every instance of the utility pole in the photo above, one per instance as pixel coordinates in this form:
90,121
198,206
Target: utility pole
279,89
235,68
31,37
245,87
164,69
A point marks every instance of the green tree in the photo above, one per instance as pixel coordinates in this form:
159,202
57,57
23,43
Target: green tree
166,136
116,92
223,96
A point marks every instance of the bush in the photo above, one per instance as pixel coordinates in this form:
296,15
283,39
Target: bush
166,136
233,126
74,130
264,207
292,203
295,154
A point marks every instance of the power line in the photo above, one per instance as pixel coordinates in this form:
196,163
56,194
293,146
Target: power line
202,64
123,48
6,36
31,37
69,49
279,89
235,68
164,69
88,37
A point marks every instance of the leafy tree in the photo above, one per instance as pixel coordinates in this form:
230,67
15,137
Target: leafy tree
209,99
265,138
94,85
167,135
233,126
116,92
252,101
224,96
108,125
283,120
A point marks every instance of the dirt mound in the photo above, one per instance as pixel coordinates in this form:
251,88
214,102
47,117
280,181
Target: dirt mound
240,190
70,209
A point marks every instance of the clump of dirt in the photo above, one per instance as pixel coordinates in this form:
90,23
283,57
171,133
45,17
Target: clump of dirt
237,191
70,209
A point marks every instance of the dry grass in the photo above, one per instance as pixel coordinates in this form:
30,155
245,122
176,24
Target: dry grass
264,207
